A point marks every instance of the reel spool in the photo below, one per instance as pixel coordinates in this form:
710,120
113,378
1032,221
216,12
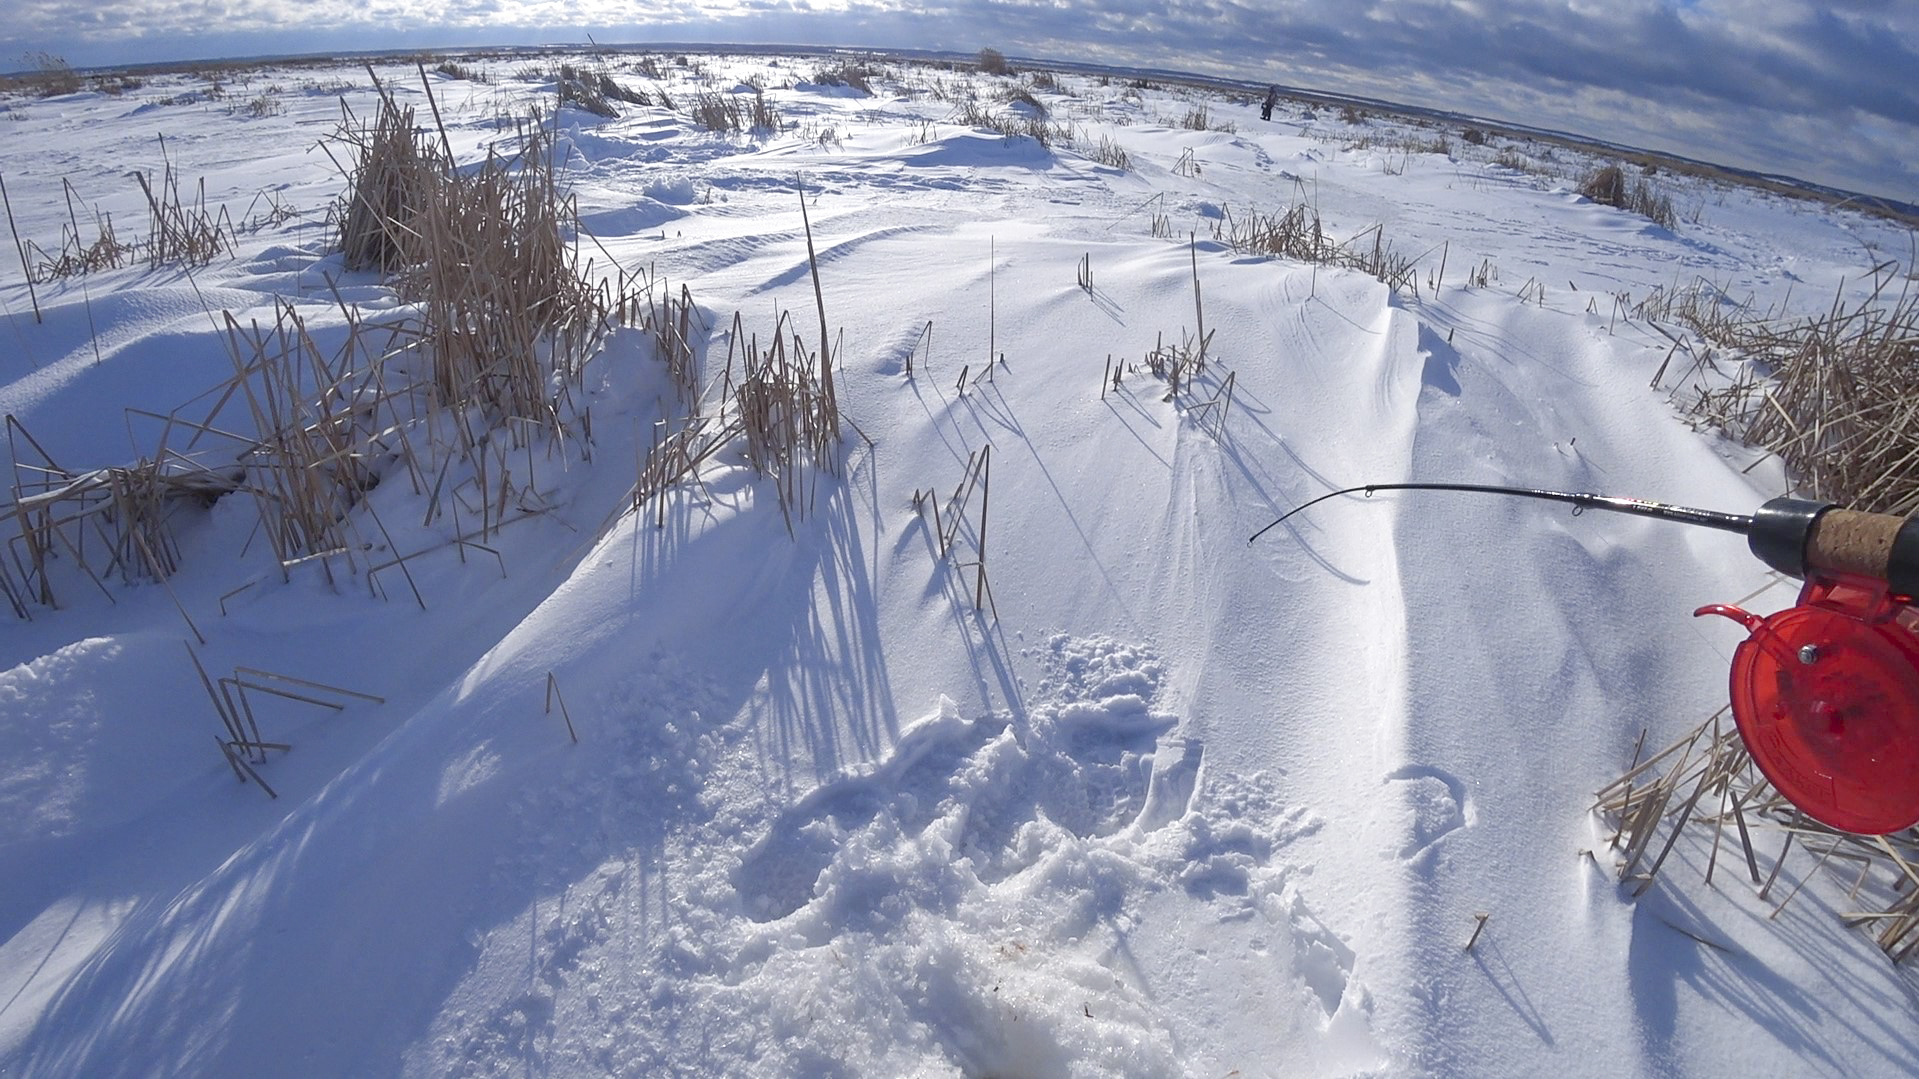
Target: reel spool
1826,696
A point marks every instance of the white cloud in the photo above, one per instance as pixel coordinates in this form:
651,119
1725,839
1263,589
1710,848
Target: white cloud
1821,90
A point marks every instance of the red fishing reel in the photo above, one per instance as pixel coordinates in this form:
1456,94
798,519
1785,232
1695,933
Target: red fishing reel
1825,693
1826,696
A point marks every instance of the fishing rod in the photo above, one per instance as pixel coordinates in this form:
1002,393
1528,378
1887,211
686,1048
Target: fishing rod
1826,692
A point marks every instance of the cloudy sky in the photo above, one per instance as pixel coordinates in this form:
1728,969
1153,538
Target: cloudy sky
1828,92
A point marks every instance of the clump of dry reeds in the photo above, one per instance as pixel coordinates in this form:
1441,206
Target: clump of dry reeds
488,361
778,406
453,69
595,90
1707,781
262,105
1609,186
179,233
854,76
1025,101
1111,153
110,522
315,415
1836,395
78,255
787,413
483,251
1298,233
725,113
48,76
1012,123
389,176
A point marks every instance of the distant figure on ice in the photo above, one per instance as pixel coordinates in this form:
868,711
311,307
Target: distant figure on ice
1272,98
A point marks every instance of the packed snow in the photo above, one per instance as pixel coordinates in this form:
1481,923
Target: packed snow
1165,803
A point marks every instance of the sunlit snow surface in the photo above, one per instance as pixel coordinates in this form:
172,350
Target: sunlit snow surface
1187,806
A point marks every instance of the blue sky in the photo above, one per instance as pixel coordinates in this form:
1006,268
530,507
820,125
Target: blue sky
1826,91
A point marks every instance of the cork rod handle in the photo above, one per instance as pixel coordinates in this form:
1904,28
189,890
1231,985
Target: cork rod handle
1849,541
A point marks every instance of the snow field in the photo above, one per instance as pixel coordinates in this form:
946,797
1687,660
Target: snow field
1186,806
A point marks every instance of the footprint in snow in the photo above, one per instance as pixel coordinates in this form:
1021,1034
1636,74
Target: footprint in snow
1091,761
1438,803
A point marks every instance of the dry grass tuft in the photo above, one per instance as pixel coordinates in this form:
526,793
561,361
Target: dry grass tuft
591,89
106,251
179,233
392,173
993,62
787,413
1010,124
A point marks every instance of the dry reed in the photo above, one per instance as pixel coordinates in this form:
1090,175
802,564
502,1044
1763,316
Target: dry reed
1706,781
1835,396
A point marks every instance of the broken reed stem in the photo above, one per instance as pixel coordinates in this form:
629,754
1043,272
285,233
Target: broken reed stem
171,594
1745,838
239,765
927,336
986,494
819,300
1199,308
1478,928
1790,896
445,143
25,270
1784,849
553,694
